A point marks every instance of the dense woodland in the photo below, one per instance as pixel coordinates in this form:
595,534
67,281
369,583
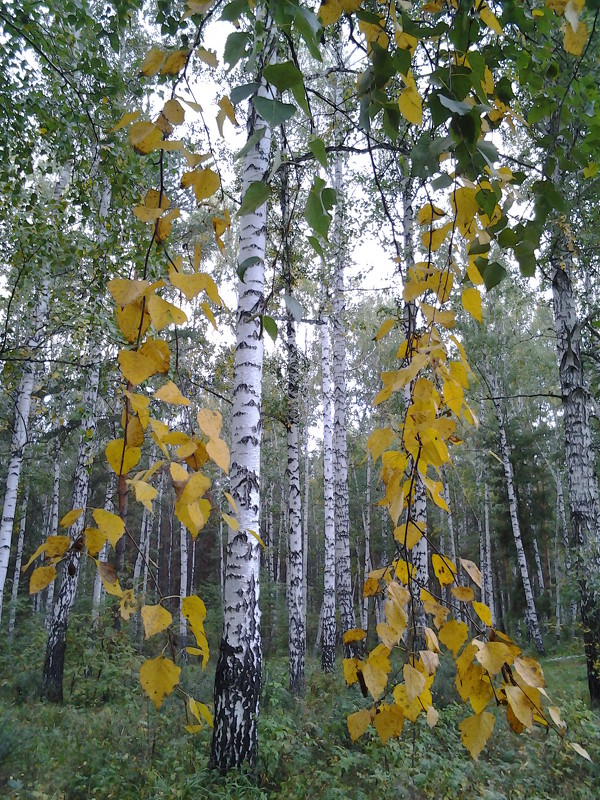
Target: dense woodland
298,334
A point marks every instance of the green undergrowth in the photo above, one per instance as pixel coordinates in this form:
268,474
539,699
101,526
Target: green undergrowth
108,741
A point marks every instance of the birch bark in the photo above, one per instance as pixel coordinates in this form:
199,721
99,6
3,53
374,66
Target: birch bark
17,571
328,621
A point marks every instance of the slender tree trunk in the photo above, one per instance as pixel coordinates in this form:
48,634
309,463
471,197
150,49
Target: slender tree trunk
538,566
305,513
488,571
531,618
18,561
328,620
57,636
238,675
367,529
583,487
53,527
98,591
183,588
19,434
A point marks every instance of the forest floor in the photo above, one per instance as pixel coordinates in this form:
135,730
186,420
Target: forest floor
107,741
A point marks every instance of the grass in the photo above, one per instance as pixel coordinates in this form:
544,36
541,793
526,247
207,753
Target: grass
107,740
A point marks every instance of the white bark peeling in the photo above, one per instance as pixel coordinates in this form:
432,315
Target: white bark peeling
328,608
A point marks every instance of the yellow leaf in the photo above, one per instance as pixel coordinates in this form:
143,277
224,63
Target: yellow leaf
231,521
475,731
94,541
380,440
257,537
144,493
554,712
472,570
125,120
208,57
354,635
210,422
219,452
453,635
194,610
385,328
200,711
408,535
360,720
147,214
127,604
145,137
152,357
389,721
350,666
204,182
445,570
433,716
530,671
431,640
70,517
415,682
591,170
109,524
520,705
490,19
483,612
163,313
329,12
109,579
376,669
430,213
575,40
580,750
169,393
178,472
159,676
133,320
227,111
493,655
463,593
174,62
411,106
471,301
152,62
173,111
125,291
155,619
135,432
40,578
433,238
121,458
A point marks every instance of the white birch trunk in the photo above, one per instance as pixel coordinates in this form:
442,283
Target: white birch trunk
183,587
238,674
17,571
53,528
98,591
19,434
538,566
329,572
531,618
366,517
488,571
57,636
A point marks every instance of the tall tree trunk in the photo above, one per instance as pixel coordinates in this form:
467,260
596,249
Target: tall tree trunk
57,636
366,516
583,488
183,588
328,620
238,675
295,572
18,561
19,434
531,618
98,591
488,572
53,527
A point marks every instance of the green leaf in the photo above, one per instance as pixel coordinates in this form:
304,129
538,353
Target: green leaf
235,47
316,245
274,112
256,194
270,326
243,92
283,76
249,262
491,272
252,140
317,208
317,148
293,307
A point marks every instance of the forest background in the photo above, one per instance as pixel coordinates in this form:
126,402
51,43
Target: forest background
165,455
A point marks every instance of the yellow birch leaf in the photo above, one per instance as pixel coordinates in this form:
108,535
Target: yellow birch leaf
472,570
329,13
231,502
529,671
219,453
145,137
376,669
463,593
159,676
57,546
173,111
430,213
380,440
164,228
111,525
575,40
169,393
231,521
125,120
210,422
453,635
133,320
227,111
155,619
370,587
580,751
94,540
385,327
207,311
152,62
430,661
40,578
204,182
411,105
414,680
121,458
109,579
194,610
147,214
41,549
475,732
490,19
350,666
471,302
70,517
144,493
554,712
388,722
152,357
193,728
174,62
445,570
483,612
208,57
360,720
433,716
200,711
408,535
135,432
163,313
354,635
202,650
178,472
474,274
431,640
493,655
433,238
